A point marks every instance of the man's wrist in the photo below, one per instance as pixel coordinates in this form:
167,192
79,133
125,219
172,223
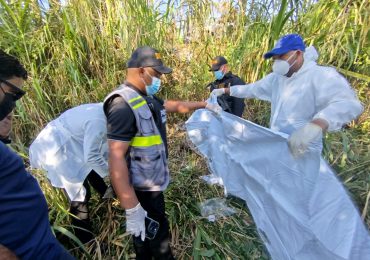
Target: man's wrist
134,209
321,123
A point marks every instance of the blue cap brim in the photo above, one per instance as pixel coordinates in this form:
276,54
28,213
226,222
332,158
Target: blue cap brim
277,51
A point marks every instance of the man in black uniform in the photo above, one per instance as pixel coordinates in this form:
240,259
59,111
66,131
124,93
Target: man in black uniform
225,79
136,132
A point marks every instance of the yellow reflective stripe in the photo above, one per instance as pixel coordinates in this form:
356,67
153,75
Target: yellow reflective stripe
146,141
139,105
134,99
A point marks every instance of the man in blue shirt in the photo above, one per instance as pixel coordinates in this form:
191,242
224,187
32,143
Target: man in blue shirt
24,222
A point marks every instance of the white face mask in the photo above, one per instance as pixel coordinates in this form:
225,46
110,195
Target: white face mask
282,67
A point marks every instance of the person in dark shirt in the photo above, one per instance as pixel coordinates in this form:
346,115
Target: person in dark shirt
145,68
24,223
225,79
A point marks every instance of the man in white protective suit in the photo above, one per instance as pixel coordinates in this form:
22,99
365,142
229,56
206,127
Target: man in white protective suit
306,99
73,151
300,209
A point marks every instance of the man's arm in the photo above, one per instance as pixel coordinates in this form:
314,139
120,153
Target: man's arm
174,106
119,174
336,102
261,89
322,123
121,128
94,138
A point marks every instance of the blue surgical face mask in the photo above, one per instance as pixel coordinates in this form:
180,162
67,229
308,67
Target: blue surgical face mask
219,74
153,88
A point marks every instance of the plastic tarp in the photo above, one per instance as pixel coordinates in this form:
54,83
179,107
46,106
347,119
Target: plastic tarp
301,209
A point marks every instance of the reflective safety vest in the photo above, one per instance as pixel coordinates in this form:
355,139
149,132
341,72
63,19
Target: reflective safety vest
146,158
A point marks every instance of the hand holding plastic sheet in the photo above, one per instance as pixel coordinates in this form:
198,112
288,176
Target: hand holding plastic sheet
213,105
135,221
217,92
300,139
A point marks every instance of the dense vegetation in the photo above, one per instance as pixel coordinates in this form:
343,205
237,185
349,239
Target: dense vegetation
75,53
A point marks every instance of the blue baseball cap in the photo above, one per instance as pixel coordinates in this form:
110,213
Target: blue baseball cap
285,44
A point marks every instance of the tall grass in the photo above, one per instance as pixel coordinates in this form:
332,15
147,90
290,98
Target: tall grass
76,54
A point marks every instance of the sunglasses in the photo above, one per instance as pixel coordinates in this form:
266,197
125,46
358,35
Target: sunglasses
16,92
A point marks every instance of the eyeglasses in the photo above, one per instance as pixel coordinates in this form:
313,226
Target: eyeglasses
16,92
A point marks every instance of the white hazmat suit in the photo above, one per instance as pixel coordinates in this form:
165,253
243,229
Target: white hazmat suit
71,146
301,210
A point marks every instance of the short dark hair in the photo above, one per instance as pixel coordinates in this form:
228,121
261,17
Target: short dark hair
11,67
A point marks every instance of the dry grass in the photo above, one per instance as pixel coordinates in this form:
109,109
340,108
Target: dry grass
76,54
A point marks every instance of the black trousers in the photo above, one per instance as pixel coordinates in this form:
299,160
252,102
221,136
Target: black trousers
159,247
81,221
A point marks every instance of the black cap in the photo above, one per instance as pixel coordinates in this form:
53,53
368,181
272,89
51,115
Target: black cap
217,62
147,57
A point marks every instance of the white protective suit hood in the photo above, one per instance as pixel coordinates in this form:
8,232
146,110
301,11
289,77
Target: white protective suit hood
311,54
310,57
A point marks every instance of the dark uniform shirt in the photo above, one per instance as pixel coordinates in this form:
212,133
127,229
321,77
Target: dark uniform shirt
24,221
121,121
229,104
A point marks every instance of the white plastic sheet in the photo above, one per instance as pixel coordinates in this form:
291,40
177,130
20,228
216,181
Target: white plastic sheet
215,208
300,208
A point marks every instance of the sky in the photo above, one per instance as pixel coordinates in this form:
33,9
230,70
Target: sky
45,3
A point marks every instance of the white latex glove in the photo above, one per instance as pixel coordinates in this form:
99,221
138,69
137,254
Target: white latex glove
298,142
213,105
135,221
214,108
218,92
